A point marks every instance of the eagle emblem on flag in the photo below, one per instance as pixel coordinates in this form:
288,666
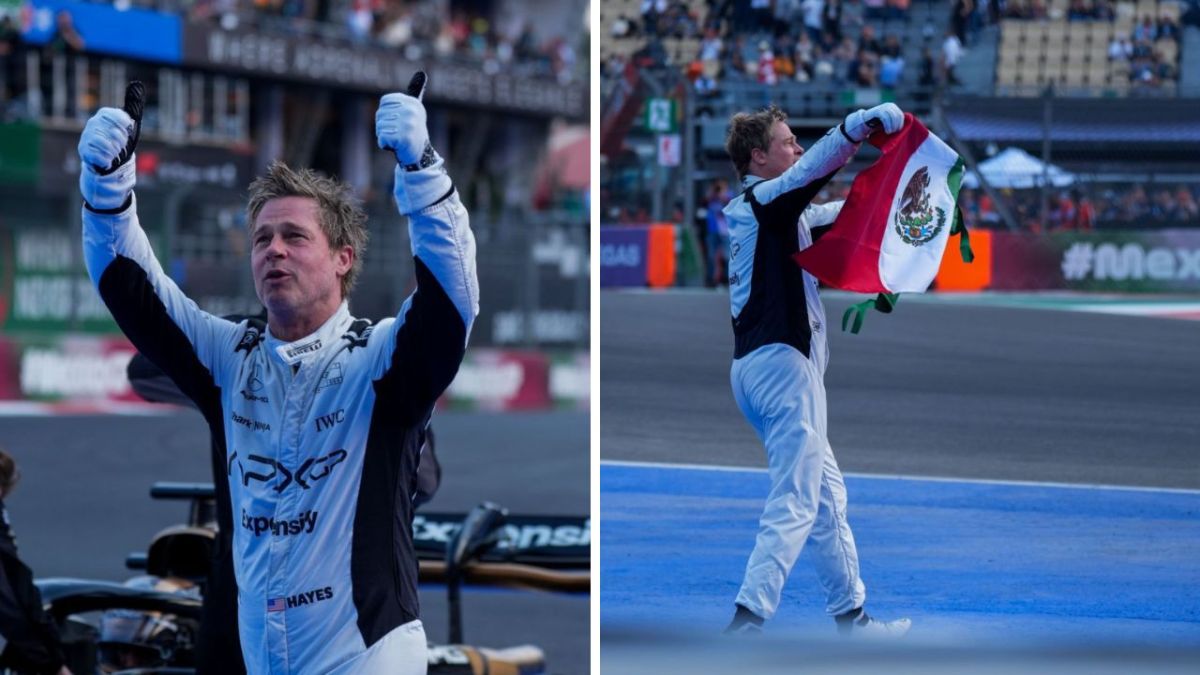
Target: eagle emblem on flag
915,219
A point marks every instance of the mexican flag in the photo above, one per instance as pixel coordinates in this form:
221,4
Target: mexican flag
892,231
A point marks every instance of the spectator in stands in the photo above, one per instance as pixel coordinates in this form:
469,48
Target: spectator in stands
960,15
766,64
1085,213
1103,10
898,10
813,23
737,58
868,41
1189,209
1145,31
717,232
891,46
831,18
891,69
360,20
875,10
1120,49
804,57
845,61
66,40
927,77
1167,28
705,84
951,52
712,46
1079,10
867,74
651,9
1062,212
785,67
621,28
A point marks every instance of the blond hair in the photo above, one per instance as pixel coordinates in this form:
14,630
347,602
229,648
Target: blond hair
750,131
341,215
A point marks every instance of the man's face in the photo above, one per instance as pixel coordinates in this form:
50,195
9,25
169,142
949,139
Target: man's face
779,156
295,270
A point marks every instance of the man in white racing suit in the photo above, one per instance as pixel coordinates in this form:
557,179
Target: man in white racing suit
780,355
321,415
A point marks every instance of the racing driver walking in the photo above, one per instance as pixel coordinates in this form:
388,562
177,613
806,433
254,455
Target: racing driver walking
321,415
780,354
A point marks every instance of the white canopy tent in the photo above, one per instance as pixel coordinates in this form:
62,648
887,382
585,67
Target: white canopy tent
1015,168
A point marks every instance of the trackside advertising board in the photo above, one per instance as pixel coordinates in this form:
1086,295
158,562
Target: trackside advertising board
43,286
638,255
106,29
1123,261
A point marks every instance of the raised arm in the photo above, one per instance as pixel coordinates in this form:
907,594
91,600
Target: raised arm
432,326
785,197
154,314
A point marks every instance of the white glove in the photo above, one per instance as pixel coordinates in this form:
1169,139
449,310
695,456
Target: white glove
106,134
400,127
421,179
858,125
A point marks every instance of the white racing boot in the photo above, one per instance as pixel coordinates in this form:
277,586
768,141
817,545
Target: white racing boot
858,624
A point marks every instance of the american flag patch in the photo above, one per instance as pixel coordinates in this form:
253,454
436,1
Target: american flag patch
276,604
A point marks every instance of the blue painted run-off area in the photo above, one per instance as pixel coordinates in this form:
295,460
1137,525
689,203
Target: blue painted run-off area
989,561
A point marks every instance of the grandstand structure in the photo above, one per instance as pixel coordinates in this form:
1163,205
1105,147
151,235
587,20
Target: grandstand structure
1074,55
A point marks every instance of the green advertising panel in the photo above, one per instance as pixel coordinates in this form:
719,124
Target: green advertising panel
20,153
44,287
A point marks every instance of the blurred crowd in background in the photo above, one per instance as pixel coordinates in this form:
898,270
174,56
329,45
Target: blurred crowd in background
422,29
841,42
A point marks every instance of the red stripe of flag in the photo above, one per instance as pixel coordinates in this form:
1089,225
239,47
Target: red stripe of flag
847,257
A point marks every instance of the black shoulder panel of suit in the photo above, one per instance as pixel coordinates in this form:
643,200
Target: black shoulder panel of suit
777,310
141,315
383,565
787,207
430,345
143,318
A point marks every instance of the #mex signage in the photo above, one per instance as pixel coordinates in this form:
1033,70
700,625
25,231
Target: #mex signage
376,70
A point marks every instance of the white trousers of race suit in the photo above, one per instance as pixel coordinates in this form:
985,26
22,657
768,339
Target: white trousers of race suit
401,652
782,395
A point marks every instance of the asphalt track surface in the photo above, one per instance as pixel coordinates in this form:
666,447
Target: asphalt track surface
83,503
950,390
933,389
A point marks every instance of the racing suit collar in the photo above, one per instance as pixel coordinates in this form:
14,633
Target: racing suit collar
309,346
750,179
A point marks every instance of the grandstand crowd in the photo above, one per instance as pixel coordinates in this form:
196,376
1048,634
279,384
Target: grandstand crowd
835,41
419,29
1089,207
859,42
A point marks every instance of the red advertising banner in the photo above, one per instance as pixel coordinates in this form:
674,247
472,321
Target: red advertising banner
1117,261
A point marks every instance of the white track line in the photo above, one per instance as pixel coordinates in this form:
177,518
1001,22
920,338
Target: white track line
938,479
41,409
